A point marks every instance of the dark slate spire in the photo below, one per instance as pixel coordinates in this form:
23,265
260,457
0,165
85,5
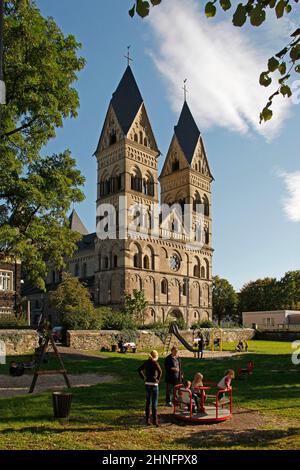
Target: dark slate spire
126,100
187,132
75,223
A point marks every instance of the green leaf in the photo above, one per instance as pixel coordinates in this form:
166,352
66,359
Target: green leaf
266,114
288,8
265,79
280,8
257,16
273,64
132,11
272,3
240,15
210,10
295,52
282,68
142,8
225,4
285,91
282,53
297,69
155,2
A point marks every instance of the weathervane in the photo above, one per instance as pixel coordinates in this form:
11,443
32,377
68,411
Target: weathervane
185,88
129,59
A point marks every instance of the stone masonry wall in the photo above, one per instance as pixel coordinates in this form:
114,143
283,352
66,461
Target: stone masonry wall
146,339
19,341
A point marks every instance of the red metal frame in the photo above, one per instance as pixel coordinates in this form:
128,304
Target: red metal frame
246,370
217,419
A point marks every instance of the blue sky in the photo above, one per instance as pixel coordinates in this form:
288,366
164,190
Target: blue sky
256,196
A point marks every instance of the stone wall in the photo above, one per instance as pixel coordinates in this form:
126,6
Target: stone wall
146,339
278,335
19,341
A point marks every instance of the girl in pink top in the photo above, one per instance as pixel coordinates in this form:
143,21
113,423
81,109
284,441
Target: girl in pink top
225,382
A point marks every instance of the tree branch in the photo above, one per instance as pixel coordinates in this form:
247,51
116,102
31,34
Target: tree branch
18,129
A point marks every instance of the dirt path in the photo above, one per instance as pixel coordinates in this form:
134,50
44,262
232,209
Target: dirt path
12,386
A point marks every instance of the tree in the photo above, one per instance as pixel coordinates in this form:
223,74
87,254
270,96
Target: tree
284,62
40,65
136,305
72,302
290,290
260,295
224,299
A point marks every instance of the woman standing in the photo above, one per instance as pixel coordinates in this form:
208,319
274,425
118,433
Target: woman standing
151,373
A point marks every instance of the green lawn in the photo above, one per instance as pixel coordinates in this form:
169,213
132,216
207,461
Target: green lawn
109,416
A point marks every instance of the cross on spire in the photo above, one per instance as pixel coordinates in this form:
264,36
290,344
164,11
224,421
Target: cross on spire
129,59
185,90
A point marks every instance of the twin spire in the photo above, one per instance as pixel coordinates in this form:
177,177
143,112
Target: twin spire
127,100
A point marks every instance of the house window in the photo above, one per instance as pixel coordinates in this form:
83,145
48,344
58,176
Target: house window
76,272
84,270
6,280
115,261
164,286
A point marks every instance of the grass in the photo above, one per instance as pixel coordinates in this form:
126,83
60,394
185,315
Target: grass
110,416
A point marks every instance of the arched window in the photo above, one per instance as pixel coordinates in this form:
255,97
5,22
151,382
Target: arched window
106,262
146,262
196,201
136,260
206,205
175,165
206,236
145,142
203,272
112,137
76,272
115,261
164,286
135,137
197,271
141,138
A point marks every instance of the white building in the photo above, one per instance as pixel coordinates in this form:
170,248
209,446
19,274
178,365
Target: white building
272,319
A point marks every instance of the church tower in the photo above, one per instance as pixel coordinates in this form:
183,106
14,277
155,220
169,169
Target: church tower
127,156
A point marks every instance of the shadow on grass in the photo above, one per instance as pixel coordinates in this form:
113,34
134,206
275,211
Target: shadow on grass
215,439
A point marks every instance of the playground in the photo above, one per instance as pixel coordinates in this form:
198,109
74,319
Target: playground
109,413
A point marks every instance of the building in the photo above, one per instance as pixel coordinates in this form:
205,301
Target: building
10,285
175,275
272,319
174,272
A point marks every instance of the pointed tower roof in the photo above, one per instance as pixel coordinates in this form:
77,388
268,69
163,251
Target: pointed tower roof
187,132
126,100
76,224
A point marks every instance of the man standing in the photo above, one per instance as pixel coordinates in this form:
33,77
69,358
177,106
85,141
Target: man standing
200,346
174,374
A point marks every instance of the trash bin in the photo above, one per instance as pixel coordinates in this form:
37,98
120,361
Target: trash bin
61,404
113,348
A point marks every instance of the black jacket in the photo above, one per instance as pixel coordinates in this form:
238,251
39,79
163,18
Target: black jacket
173,377
150,371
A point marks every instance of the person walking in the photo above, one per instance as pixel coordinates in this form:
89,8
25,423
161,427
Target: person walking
174,374
150,371
200,347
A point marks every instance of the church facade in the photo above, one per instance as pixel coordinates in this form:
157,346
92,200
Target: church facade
172,265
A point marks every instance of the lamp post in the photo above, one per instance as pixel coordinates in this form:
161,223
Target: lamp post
2,84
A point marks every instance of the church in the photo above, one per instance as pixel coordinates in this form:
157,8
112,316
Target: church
171,265
174,273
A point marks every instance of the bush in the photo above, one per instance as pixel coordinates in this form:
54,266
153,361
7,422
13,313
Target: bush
10,321
114,320
75,319
203,324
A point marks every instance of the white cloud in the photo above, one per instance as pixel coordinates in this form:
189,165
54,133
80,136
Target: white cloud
222,65
291,203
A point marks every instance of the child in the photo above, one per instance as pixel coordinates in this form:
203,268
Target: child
198,382
185,397
225,382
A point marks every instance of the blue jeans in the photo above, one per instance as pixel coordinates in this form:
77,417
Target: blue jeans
152,392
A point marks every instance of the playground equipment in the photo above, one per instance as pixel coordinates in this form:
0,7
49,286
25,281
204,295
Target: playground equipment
173,330
246,371
212,408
